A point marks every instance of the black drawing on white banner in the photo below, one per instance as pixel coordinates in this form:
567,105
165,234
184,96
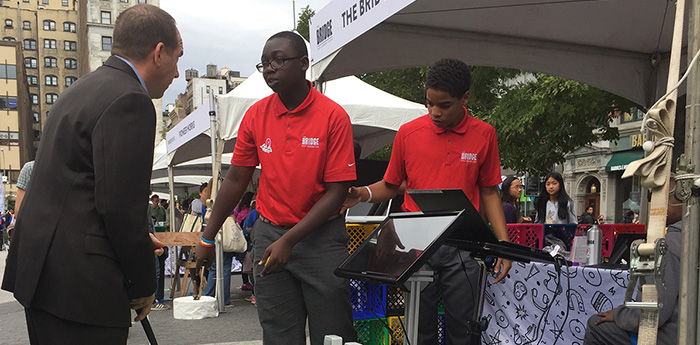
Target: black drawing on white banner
577,328
501,319
620,278
520,311
533,272
545,299
600,302
576,301
519,290
489,299
593,277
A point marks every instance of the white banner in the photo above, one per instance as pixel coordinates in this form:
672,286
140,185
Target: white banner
191,126
341,21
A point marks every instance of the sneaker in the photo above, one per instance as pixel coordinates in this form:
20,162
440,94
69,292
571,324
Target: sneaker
252,300
160,306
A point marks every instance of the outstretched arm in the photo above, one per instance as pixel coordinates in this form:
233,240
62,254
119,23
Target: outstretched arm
381,191
494,212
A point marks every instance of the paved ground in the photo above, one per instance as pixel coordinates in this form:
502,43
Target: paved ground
236,326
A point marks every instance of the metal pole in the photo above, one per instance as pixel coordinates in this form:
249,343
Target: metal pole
171,256
688,298
214,189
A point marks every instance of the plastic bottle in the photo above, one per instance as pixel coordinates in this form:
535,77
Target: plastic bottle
595,239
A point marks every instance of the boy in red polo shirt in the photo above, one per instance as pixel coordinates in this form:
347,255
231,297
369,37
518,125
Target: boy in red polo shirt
303,143
446,148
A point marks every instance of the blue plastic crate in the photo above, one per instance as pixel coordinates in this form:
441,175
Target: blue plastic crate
368,300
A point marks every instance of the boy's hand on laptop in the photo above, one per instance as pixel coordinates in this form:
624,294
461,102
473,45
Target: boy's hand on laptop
353,198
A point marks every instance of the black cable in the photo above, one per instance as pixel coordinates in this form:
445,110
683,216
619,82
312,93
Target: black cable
464,269
545,312
384,322
568,298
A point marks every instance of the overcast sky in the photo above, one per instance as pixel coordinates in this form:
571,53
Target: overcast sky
228,33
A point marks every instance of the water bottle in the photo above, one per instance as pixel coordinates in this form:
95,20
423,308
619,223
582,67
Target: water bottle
595,239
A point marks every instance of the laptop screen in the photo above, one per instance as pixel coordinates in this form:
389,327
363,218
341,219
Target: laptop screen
398,247
368,212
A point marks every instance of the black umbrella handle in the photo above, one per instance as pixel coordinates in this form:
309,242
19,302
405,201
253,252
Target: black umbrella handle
149,330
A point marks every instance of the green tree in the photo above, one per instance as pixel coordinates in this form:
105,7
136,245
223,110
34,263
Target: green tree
303,22
539,122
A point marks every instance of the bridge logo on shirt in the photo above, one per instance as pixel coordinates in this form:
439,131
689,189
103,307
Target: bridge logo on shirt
468,157
267,146
310,142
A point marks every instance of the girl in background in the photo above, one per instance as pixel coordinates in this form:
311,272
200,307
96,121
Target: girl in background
511,189
554,206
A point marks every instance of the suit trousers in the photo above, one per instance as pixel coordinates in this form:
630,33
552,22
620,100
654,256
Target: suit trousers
459,287
46,328
304,287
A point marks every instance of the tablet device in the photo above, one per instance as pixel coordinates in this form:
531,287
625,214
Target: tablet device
400,246
364,213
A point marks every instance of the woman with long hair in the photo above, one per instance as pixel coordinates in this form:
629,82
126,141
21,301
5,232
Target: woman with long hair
511,189
554,206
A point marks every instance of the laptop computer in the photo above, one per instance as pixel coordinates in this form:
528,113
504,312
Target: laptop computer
400,246
364,213
477,237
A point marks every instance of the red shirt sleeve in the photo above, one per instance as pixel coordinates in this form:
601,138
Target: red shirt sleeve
396,171
245,152
490,170
340,157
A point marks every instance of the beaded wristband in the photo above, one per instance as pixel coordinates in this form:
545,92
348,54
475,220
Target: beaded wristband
205,243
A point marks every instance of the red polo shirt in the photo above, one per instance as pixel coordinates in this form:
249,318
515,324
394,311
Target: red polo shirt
429,157
298,151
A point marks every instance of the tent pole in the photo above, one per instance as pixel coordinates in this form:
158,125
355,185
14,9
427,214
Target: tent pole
214,188
171,210
688,296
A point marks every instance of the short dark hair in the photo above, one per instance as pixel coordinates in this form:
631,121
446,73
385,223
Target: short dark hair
154,196
451,76
203,186
140,28
297,41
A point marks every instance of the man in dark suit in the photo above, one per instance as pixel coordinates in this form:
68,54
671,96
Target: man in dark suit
81,254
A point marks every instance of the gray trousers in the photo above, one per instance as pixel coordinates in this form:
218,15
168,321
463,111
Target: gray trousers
607,333
460,290
304,287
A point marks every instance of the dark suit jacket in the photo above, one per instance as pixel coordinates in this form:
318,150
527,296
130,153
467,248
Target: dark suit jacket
80,249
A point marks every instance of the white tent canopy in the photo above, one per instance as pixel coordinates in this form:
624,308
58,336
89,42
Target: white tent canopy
621,46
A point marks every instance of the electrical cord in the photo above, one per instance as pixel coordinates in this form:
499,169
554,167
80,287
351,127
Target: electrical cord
559,259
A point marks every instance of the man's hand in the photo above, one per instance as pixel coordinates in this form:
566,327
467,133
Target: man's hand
276,256
352,199
142,305
502,267
157,245
605,317
205,256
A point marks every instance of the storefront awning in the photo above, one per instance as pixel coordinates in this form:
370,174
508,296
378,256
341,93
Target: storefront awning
620,160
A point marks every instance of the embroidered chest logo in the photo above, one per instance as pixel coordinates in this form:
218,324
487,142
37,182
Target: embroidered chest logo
468,157
267,146
312,143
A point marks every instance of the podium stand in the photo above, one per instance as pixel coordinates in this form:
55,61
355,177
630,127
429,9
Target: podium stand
412,309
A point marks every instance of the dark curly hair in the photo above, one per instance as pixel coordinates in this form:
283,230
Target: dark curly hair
449,75
297,41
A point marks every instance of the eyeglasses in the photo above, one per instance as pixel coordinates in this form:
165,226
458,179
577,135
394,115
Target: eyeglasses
277,63
517,186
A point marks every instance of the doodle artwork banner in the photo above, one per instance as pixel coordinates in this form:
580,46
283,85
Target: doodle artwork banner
530,306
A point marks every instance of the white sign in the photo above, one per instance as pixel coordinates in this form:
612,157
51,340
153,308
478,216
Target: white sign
341,21
191,126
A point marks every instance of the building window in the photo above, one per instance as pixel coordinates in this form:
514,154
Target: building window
8,23
51,98
26,25
49,25
64,3
45,2
29,44
106,17
32,80
49,44
69,27
35,117
29,63
50,62
70,81
142,1
70,45
221,90
126,1
8,71
8,39
51,80
35,98
106,43
71,64
8,103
